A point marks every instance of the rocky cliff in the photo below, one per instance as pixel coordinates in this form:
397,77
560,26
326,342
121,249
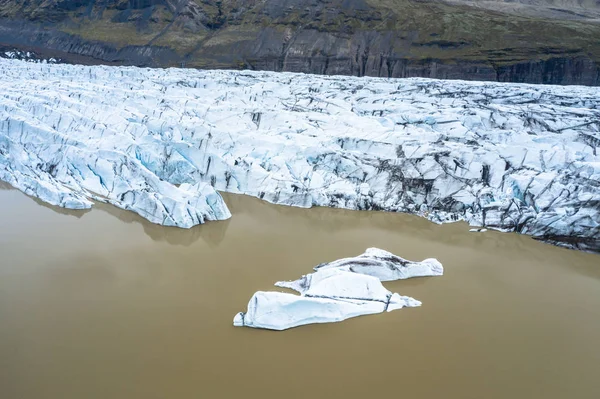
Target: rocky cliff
549,41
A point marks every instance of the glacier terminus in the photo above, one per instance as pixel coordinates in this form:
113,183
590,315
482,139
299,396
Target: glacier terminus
163,142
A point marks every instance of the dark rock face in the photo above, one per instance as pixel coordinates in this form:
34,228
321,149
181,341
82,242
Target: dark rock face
385,38
560,70
70,48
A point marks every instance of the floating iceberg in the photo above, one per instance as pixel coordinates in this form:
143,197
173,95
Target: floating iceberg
512,157
335,293
385,266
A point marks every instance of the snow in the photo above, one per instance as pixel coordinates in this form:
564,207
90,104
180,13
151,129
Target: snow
342,290
512,157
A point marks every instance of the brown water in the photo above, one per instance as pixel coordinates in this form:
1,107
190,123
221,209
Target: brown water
101,304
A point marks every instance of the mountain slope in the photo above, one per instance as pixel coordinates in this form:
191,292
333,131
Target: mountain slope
545,41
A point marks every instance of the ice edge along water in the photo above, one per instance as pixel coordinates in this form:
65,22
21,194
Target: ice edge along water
337,291
512,157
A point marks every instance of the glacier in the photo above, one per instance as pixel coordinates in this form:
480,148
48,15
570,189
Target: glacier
342,290
28,56
163,142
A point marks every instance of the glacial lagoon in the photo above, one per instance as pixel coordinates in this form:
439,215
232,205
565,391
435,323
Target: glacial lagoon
103,304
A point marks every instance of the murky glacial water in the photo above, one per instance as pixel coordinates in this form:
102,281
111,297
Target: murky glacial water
102,304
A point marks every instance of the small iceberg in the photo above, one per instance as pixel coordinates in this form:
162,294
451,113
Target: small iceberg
479,230
385,266
337,291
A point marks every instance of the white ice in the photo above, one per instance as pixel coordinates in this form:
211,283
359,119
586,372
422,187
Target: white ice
386,266
330,294
513,157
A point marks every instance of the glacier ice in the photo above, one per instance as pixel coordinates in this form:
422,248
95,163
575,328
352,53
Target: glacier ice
385,266
341,290
512,157
27,56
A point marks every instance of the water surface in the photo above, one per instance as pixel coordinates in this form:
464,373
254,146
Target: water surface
101,304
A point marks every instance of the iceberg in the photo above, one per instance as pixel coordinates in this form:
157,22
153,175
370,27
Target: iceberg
162,142
385,266
331,294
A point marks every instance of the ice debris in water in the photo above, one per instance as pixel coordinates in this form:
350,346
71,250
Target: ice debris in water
337,291
385,266
513,157
480,230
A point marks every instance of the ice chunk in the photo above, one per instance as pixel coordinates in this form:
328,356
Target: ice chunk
386,266
332,294
280,311
339,284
